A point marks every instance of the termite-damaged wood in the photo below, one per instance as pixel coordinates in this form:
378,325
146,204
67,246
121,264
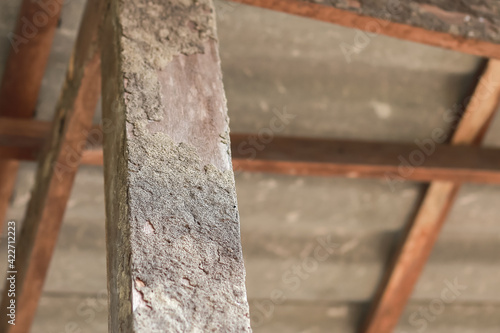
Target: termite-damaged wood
174,256
468,19
457,25
56,171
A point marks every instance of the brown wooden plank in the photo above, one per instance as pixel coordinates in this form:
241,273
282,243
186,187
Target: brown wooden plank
409,20
30,48
30,44
22,139
56,172
416,245
174,255
24,128
394,162
8,171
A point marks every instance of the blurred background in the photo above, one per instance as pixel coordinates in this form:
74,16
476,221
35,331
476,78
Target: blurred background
391,90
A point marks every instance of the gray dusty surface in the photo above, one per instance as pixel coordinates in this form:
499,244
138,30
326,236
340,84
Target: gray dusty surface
392,90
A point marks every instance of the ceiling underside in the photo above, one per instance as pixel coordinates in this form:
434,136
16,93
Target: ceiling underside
391,90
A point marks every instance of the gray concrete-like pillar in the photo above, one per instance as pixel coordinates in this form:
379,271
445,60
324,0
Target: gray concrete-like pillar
174,253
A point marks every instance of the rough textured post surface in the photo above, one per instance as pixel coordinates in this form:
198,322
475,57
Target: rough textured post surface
174,254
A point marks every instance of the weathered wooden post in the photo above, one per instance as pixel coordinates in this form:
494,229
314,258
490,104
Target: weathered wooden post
174,254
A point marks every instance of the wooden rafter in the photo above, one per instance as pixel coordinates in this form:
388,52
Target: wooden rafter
422,233
362,18
175,262
22,78
56,171
308,157
394,162
23,139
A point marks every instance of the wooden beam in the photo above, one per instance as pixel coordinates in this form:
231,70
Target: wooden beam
30,48
56,172
22,77
23,139
8,173
428,23
173,242
394,162
421,235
